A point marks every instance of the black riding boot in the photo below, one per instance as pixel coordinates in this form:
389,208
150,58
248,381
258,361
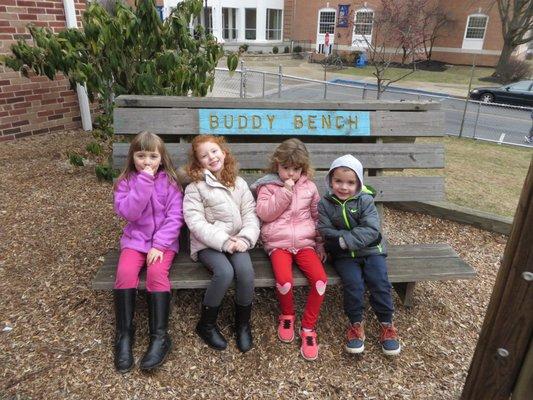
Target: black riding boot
243,330
160,344
124,311
207,328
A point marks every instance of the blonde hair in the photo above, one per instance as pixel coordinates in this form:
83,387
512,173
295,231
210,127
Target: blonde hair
147,141
291,152
194,169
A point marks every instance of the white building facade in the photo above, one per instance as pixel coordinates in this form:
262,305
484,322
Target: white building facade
258,23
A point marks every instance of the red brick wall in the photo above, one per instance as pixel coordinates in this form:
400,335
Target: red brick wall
37,105
304,27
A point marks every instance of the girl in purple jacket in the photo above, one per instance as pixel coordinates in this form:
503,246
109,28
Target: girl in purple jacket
149,197
287,201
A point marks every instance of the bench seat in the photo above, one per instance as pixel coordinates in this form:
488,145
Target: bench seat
407,265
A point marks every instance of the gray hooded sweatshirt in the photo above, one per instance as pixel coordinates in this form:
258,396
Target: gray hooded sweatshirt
355,219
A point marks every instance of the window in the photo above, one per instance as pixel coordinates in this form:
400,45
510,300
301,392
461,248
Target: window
520,86
250,17
363,22
229,24
327,22
159,10
475,28
208,19
273,24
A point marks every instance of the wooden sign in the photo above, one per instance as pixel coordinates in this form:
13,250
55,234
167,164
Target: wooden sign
283,122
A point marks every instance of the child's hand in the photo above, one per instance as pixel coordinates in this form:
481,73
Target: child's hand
229,246
148,170
288,184
322,254
240,245
153,256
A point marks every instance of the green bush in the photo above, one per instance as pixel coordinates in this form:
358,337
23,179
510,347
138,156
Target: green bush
75,159
286,50
94,148
243,48
104,172
297,49
275,50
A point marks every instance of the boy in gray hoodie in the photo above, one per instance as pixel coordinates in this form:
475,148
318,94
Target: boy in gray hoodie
349,224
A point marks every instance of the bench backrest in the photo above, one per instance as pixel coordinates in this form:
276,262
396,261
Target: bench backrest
379,133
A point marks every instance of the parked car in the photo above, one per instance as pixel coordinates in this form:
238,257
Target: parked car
519,93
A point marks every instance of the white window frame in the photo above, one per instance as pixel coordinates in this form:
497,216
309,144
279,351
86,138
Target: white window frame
475,43
279,31
360,41
321,37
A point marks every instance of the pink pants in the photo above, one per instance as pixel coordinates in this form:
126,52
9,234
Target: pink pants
129,267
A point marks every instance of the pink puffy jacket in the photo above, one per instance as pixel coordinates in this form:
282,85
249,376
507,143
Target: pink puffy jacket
289,219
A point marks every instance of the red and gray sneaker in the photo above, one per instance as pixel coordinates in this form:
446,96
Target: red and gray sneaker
286,328
390,344
309,347
356,338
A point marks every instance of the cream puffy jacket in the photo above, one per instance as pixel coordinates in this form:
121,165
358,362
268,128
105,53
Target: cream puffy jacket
214,213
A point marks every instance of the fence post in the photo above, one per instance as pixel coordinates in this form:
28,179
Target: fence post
325,89
364,92
280,77
241,85
477,117
264,85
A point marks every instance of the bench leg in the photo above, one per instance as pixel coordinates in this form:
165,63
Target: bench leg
405,292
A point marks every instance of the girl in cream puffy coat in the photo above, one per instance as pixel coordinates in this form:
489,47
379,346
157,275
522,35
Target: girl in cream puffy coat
287,202
219,210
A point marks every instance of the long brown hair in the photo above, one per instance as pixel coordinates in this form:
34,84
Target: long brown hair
229,172
147,141
291,152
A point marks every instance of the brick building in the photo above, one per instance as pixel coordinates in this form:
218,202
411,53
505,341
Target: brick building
476,27
36,105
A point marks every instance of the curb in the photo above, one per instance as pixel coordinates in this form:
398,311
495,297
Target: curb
479,219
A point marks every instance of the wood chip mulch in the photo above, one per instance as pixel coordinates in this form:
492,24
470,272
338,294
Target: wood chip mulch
56,333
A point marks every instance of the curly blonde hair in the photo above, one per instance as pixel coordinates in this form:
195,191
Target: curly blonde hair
194,169
147,141
291,152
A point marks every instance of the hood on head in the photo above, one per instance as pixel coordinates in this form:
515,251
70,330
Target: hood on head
347,161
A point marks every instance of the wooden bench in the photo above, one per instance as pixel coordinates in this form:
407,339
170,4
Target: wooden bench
380,134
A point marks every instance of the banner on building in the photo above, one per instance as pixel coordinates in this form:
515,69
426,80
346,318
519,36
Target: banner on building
344,12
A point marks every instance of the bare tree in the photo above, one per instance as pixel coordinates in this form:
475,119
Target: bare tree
517,22
396,34
436,20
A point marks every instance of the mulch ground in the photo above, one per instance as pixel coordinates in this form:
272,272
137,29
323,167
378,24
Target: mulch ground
56,223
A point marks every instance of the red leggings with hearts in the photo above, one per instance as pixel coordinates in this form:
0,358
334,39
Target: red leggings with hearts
309,263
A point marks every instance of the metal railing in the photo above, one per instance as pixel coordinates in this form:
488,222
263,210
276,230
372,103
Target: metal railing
500,123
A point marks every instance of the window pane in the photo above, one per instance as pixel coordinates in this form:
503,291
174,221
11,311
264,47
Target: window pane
520,86
327,22
363,23
250,22
273,26
476,27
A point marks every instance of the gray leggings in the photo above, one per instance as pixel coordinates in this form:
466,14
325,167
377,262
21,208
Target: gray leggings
224,267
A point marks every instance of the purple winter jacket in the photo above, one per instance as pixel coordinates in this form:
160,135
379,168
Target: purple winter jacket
154,211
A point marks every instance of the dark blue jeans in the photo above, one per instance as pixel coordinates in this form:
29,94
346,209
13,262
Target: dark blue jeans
369,270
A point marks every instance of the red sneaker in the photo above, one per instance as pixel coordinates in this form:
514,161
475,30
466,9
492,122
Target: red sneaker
286,328
309,347
355,343
390,344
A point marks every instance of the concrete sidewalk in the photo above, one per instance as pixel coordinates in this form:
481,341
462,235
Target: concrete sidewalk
304,69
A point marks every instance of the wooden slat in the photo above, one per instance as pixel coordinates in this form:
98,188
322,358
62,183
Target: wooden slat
388,188
406,263
254,156
182,121
225,102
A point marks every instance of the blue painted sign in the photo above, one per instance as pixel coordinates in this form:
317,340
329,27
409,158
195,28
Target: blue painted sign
219,121
344,12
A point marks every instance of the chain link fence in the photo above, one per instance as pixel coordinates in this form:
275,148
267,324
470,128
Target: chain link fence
492,122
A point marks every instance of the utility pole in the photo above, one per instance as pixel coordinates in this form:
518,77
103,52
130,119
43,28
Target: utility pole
468,94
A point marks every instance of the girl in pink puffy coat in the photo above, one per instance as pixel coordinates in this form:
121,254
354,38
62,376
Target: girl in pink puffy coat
287,202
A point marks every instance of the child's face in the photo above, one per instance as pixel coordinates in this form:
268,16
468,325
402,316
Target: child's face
211,157
344,183
147,159
289,172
